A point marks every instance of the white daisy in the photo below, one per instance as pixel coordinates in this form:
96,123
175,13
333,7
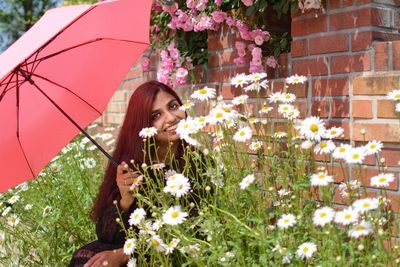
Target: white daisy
291,115
382,179
340,152
229,123
365,204
397,108
179,186
239,80
217,115
323,216
361,229
201,121
46,211
148,132
204,94
172,245
255,146
324,147
275,97
333,132
306,250
13,199
186,127
13,220
394,95
265,109
6,211
355,155
253,120
137,216
321,179
89,163
246,181
106,136
285,108
287,98
158,166
286,221
280,134
252,87
185,106
346,216
256,77
156,242
243,134
157,225
307,144
132,262
174,216
295,79
28,207
373,147
129,246
312,128
242,99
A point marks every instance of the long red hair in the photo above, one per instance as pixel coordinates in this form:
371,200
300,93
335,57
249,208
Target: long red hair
129,144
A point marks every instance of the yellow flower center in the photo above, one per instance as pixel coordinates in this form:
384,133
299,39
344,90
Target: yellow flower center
242,133
186,125
154,242
203,91
286,220
323,214
360,228
175,214
219,115
356,156
128,245
347,216
366,205
323,144
372,146
397,96
136,216
314,128
305,249
382,179
321,175
227,109
202,119
333,132
342,149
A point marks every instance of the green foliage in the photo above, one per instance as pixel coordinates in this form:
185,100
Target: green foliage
58,221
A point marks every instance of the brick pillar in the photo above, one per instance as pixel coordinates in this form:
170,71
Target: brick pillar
351,57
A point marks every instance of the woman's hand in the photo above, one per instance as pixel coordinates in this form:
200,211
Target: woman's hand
109,258
127,181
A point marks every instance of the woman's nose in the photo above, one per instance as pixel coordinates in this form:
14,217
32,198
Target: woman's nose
170,117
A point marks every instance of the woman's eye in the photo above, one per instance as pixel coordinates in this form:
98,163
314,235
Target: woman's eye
174,106
155,116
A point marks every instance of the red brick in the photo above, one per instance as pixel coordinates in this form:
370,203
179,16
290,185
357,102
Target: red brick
333,4
219,75
283,65
386,109
311,66
307,26
391,156
320,108
222,58
381,56
375,85
347,64
330,87
396,55
229,92
300,90
299,48
357,18
134,73
347,3
395,201
361,40
328,44
339,108
218,42
384,132
362,109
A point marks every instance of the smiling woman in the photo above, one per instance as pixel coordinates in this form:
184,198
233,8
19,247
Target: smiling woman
154,106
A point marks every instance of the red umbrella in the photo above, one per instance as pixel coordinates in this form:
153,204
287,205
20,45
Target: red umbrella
59,76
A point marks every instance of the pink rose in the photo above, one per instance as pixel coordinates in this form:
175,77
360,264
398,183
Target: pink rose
191,4
255,68
259,40
240,61
240,45
247,2
230,21
170,9
271,62
256,53
219,16
250,47
242,53
145,64
218,2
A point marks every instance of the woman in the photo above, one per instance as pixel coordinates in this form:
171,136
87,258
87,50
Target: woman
153,104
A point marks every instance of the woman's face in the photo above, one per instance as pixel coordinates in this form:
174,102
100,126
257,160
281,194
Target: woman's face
165,117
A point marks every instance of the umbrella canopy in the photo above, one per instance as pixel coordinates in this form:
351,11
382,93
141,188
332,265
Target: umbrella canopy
74,57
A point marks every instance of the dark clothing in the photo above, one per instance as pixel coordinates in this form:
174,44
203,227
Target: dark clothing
109,232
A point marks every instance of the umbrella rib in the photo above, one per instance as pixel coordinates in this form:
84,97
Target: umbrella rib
28,78
59,85
26,159
8,83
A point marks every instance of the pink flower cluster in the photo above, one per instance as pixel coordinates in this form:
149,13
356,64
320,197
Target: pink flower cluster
171,60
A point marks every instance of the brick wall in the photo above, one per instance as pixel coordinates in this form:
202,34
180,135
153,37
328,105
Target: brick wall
351,56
